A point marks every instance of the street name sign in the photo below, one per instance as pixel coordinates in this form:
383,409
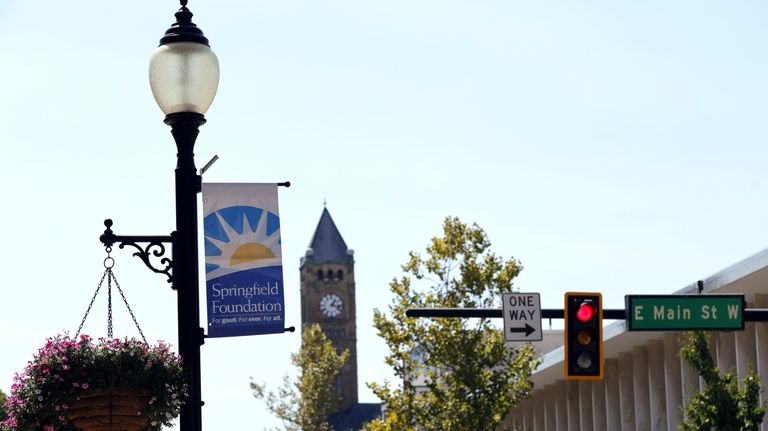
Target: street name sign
684,312
522,316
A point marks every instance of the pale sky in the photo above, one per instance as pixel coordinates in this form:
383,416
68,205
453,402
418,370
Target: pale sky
612,146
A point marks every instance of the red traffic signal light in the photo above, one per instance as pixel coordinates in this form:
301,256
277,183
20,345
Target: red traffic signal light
585,312
583,336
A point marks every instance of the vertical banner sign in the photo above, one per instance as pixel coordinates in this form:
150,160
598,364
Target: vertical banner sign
243,259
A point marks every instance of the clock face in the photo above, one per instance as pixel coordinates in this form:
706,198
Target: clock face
330,305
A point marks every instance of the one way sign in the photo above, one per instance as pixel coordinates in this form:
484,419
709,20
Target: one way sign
522,316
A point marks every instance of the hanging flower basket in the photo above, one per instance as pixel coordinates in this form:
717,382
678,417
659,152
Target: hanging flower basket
104,385
100,410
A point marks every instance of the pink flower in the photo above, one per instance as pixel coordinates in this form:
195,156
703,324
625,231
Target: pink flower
37,388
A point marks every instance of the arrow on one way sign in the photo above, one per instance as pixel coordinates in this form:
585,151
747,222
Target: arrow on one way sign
528,329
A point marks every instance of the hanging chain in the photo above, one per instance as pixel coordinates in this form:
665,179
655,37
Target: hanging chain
109,262
82,322
110,276
125,301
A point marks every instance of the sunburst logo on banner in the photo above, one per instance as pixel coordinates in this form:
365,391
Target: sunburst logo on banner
239,238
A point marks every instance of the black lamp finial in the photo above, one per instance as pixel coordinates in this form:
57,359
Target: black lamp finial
184,30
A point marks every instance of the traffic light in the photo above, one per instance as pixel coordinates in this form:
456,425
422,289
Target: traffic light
583,336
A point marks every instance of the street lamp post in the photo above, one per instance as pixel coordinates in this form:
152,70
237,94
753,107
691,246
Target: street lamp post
184,76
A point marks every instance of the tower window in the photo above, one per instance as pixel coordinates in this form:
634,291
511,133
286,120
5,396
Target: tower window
330,275
320,274
338,385
339,275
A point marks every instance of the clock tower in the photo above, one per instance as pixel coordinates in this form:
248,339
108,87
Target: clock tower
328,298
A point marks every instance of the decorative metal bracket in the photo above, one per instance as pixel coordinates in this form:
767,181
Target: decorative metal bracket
154,246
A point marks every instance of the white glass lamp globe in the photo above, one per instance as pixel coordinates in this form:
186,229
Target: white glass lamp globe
184,77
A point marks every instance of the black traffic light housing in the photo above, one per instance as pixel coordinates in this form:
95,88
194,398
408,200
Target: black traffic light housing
583,336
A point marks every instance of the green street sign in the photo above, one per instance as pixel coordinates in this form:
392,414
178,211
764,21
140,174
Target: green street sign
684,312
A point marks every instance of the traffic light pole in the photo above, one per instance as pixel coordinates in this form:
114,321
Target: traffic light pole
582,336
750,314
489,313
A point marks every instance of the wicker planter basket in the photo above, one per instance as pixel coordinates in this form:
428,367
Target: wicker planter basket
115,410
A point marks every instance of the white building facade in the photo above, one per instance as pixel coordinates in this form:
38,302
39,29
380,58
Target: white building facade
646,383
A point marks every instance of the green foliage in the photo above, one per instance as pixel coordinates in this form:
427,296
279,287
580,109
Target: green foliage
3,409
304,405
723,405
469,379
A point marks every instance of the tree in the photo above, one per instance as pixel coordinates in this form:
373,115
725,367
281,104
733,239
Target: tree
468,379
304,405
3,410
723,405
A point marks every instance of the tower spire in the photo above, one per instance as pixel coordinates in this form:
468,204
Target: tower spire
327,245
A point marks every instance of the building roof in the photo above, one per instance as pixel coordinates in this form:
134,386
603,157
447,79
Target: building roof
327,245
354,418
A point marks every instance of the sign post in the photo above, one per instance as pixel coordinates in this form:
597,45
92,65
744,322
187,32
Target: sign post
522,316
684,312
